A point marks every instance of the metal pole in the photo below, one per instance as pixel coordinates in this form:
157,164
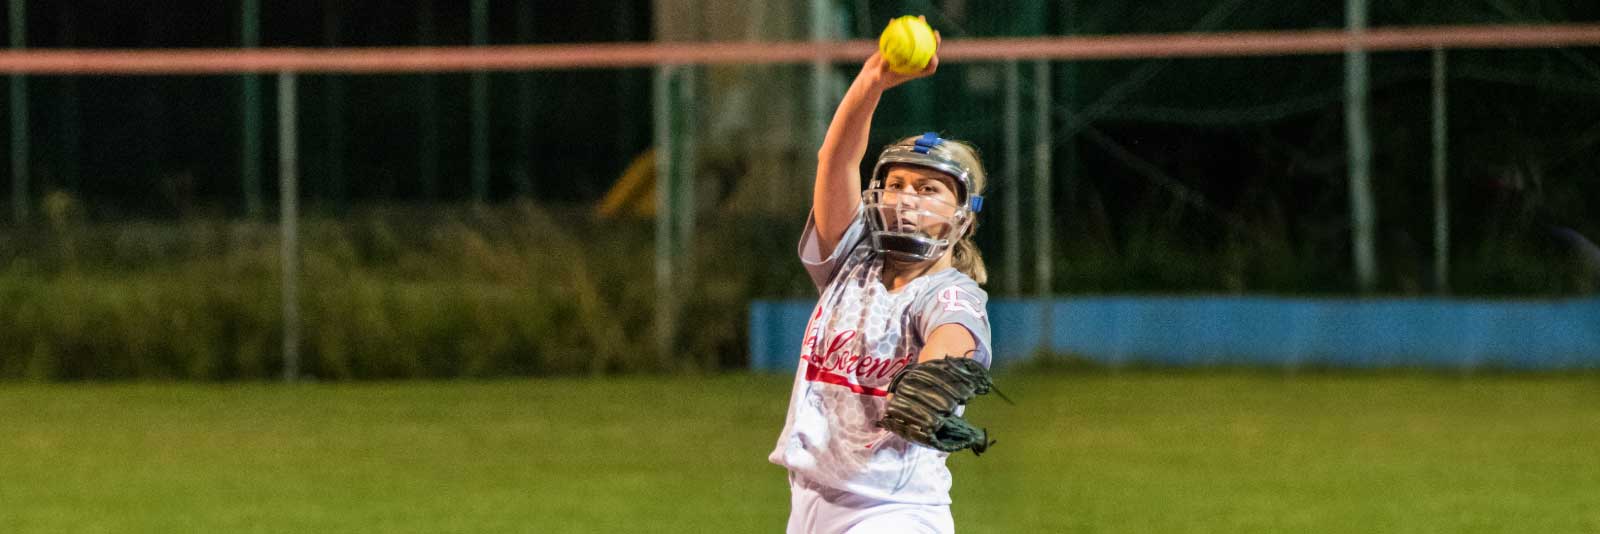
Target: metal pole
1011,218
428,111
819,74
1044,268
19,117
1441,199
250,171
288,220
1362,211
666,303
480,107
684,179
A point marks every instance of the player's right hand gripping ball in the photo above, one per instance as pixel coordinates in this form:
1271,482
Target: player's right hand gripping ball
926,395
907,44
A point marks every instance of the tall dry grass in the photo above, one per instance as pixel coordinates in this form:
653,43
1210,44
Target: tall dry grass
391,292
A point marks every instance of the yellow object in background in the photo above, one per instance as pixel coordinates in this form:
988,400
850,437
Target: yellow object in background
634,194
907,44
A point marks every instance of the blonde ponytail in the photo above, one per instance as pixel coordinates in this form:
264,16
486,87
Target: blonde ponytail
966,258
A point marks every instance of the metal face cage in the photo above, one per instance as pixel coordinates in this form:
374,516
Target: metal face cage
911,226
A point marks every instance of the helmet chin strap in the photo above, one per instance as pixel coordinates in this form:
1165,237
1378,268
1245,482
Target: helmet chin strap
897,273
896,265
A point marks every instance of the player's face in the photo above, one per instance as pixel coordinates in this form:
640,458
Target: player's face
918,190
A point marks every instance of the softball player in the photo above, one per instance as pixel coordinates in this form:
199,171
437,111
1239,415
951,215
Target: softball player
898,275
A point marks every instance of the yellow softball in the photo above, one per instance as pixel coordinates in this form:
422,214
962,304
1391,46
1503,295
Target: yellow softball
907,44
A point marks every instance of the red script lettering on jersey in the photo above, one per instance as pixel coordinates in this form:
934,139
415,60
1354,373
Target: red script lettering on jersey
841,361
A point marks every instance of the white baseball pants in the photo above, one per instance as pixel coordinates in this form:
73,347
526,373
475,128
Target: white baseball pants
817,509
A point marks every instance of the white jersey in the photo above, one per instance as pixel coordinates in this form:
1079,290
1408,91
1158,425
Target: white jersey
859,336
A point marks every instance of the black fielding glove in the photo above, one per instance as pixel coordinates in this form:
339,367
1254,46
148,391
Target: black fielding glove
926,396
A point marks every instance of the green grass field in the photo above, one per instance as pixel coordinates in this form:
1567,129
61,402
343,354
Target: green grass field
1078,453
